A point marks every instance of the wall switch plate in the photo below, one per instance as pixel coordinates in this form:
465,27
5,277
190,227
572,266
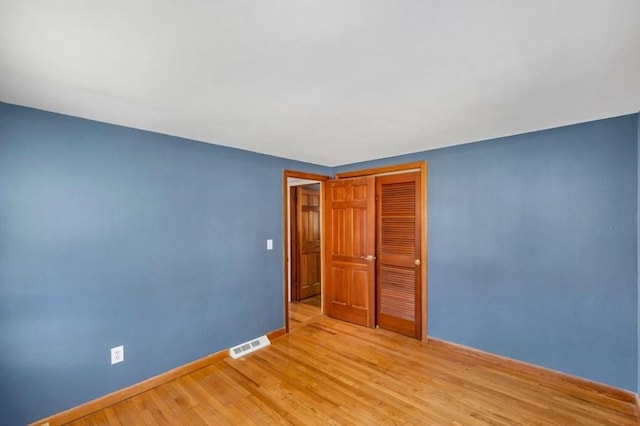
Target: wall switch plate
269,244
117,354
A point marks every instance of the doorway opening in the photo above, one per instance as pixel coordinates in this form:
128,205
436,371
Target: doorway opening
302,244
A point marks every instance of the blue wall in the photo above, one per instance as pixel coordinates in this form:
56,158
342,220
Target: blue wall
114,236
110,236
533,247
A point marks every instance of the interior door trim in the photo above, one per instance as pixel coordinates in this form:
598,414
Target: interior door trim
286,174
399,168
406,167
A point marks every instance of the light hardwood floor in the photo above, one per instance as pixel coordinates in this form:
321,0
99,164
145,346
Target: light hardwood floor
313,301
330,372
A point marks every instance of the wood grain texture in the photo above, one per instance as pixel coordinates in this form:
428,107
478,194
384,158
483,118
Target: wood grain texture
421,167
103,403
398,237
349,238
292,241
416,165
308,242
332,372
424,178
286,174
276,333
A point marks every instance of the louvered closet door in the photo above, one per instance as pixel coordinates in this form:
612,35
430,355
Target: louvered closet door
398,251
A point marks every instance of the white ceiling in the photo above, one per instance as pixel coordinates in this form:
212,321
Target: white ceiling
330,82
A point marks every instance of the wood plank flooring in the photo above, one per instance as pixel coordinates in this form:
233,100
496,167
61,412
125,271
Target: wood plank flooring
313,300
330,372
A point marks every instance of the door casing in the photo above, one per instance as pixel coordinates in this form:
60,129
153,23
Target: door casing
286,174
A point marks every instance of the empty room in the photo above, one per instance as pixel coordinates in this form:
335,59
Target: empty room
319,212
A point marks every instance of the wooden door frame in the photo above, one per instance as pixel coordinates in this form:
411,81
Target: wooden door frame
286,174
402,168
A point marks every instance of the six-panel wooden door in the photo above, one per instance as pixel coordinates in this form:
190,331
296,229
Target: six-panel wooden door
308,241
349,247
373,251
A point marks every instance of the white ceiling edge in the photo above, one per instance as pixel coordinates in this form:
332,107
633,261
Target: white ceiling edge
329,83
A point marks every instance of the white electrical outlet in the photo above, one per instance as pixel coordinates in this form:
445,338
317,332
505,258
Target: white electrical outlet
117,354
269,244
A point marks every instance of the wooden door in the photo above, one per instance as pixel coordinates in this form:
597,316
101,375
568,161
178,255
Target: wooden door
293,240
308,244
349,229
398,289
